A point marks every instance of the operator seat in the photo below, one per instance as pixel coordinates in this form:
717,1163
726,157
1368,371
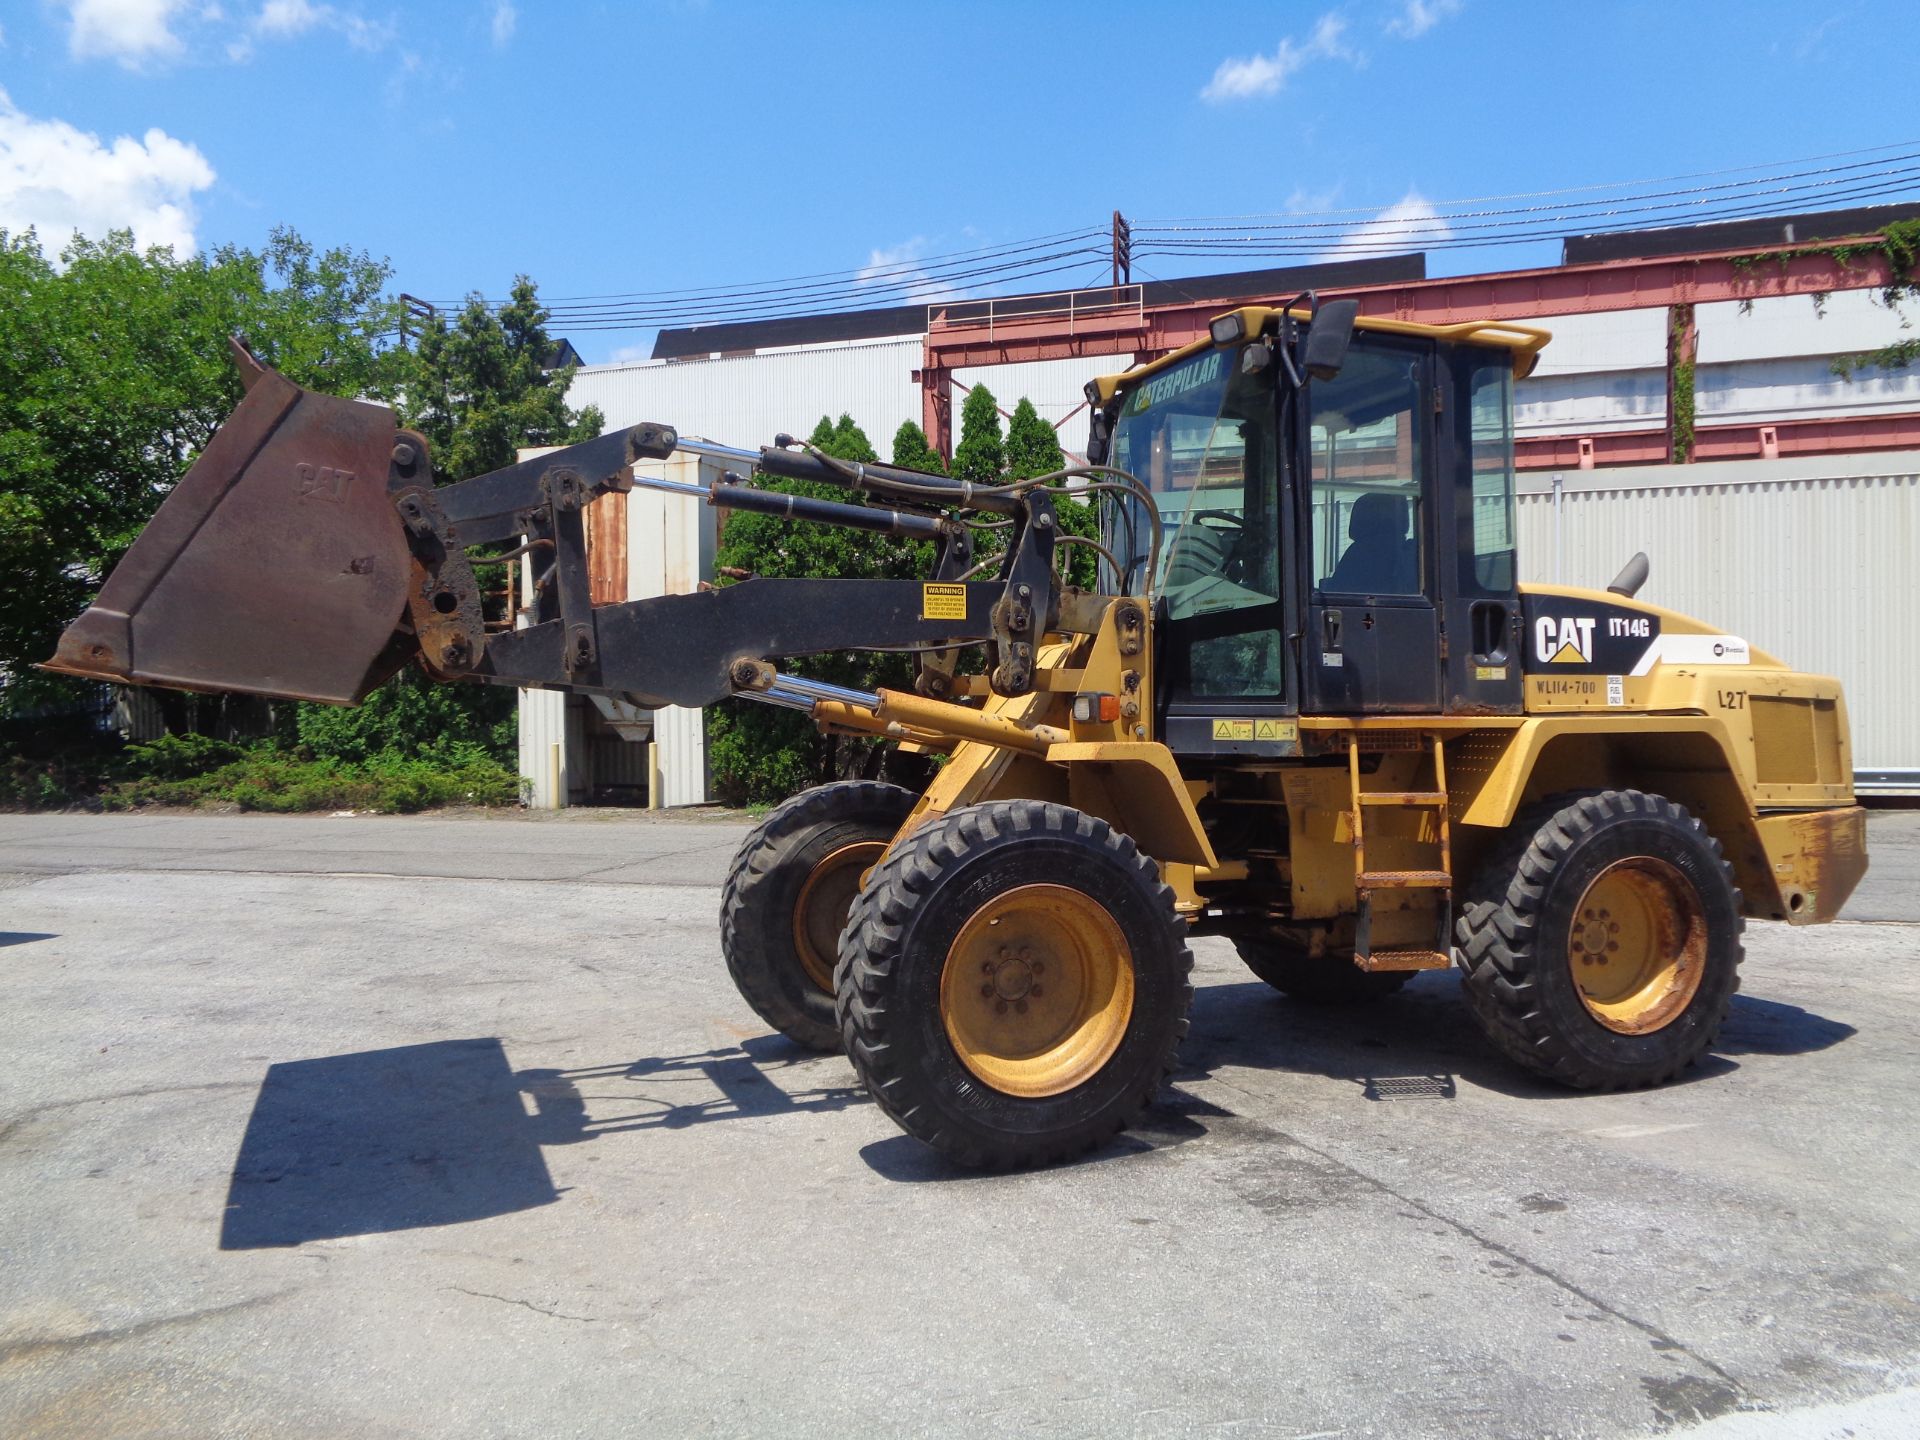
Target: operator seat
1383,558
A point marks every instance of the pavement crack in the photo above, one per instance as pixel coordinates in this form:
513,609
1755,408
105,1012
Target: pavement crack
20,1117
1661,1339
29,1346
528,1304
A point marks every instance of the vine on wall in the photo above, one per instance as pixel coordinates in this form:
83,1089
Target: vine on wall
1900,243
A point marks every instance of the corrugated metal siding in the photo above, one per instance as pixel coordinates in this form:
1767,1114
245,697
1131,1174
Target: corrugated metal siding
545,760
606,518
1811,560
670,551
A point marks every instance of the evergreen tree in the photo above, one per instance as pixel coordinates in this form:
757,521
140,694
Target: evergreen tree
762,755
980,456
912,452
480,390
1032,446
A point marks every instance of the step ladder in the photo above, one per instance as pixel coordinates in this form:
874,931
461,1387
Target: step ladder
1367,882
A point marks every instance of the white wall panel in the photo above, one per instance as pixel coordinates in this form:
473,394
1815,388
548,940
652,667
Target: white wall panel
1811,560
1790,325
747,400
1056,387
1612,340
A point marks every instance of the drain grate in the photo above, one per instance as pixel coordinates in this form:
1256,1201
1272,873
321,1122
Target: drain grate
1410,1087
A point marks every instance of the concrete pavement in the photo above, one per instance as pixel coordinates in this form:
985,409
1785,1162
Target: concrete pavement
455,1126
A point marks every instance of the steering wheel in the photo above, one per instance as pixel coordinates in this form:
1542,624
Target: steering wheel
1231,530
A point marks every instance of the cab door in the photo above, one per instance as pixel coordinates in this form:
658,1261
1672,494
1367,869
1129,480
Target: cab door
1371,644
1479,582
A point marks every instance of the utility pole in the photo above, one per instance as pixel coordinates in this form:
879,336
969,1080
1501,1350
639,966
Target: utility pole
412,307
1122,251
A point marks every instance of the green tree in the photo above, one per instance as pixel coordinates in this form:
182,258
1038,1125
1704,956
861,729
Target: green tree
759,754
114,372
912,452
980,456
479,389
1032,447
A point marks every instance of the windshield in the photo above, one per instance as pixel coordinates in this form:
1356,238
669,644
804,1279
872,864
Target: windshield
1201,434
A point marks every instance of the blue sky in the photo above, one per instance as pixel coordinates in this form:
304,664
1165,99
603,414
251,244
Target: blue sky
616,148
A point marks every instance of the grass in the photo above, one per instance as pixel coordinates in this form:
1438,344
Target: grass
193,770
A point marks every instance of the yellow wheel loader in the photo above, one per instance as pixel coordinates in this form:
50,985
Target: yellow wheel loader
1308,707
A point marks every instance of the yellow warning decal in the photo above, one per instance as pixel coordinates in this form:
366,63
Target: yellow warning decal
1489,672
943,602
1255,730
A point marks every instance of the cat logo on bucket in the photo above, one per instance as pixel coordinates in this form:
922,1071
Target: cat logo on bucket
1563,640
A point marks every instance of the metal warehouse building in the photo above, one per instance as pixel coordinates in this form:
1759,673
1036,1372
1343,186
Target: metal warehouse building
1789,518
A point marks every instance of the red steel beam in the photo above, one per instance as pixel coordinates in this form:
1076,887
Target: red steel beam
1752,441
1509,295
1750,274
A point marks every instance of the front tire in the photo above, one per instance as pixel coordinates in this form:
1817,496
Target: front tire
1014,983
787,896
1601,941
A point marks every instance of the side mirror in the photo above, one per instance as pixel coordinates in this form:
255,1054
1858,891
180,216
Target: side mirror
1099,438
1328,337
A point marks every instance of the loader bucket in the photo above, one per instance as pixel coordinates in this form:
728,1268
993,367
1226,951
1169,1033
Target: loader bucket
278,566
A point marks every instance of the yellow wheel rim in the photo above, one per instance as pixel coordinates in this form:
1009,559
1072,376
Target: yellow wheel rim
820,914
1037,990
1637,945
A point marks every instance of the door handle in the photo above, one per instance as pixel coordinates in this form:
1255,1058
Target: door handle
1330,629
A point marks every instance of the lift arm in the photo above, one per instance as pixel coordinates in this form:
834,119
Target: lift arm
308,555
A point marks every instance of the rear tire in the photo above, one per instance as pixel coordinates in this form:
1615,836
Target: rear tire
1014,983
1601,941
787,896
1330,979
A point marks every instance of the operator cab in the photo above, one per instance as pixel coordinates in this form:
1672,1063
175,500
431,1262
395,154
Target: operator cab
1337,521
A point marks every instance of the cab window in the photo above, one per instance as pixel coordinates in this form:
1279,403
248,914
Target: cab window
1366,461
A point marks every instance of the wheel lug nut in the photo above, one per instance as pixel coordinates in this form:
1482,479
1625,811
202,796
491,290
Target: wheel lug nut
986,967
1036,992
1039,968
1613,927
1612,946
987,990
1001,1008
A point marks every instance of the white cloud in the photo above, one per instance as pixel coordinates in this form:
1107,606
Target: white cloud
1268,74
289,19
1420,16
505,17
130,31
1407,225
58,179
893,268
139,33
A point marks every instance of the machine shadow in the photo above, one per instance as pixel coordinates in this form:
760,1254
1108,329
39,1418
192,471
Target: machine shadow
447,1132
441,1133
22,937
383,1140
1174,1119
1423,1039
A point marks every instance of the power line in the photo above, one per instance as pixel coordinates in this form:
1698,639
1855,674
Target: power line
1480,222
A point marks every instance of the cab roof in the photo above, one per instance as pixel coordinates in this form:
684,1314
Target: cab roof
1524,342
